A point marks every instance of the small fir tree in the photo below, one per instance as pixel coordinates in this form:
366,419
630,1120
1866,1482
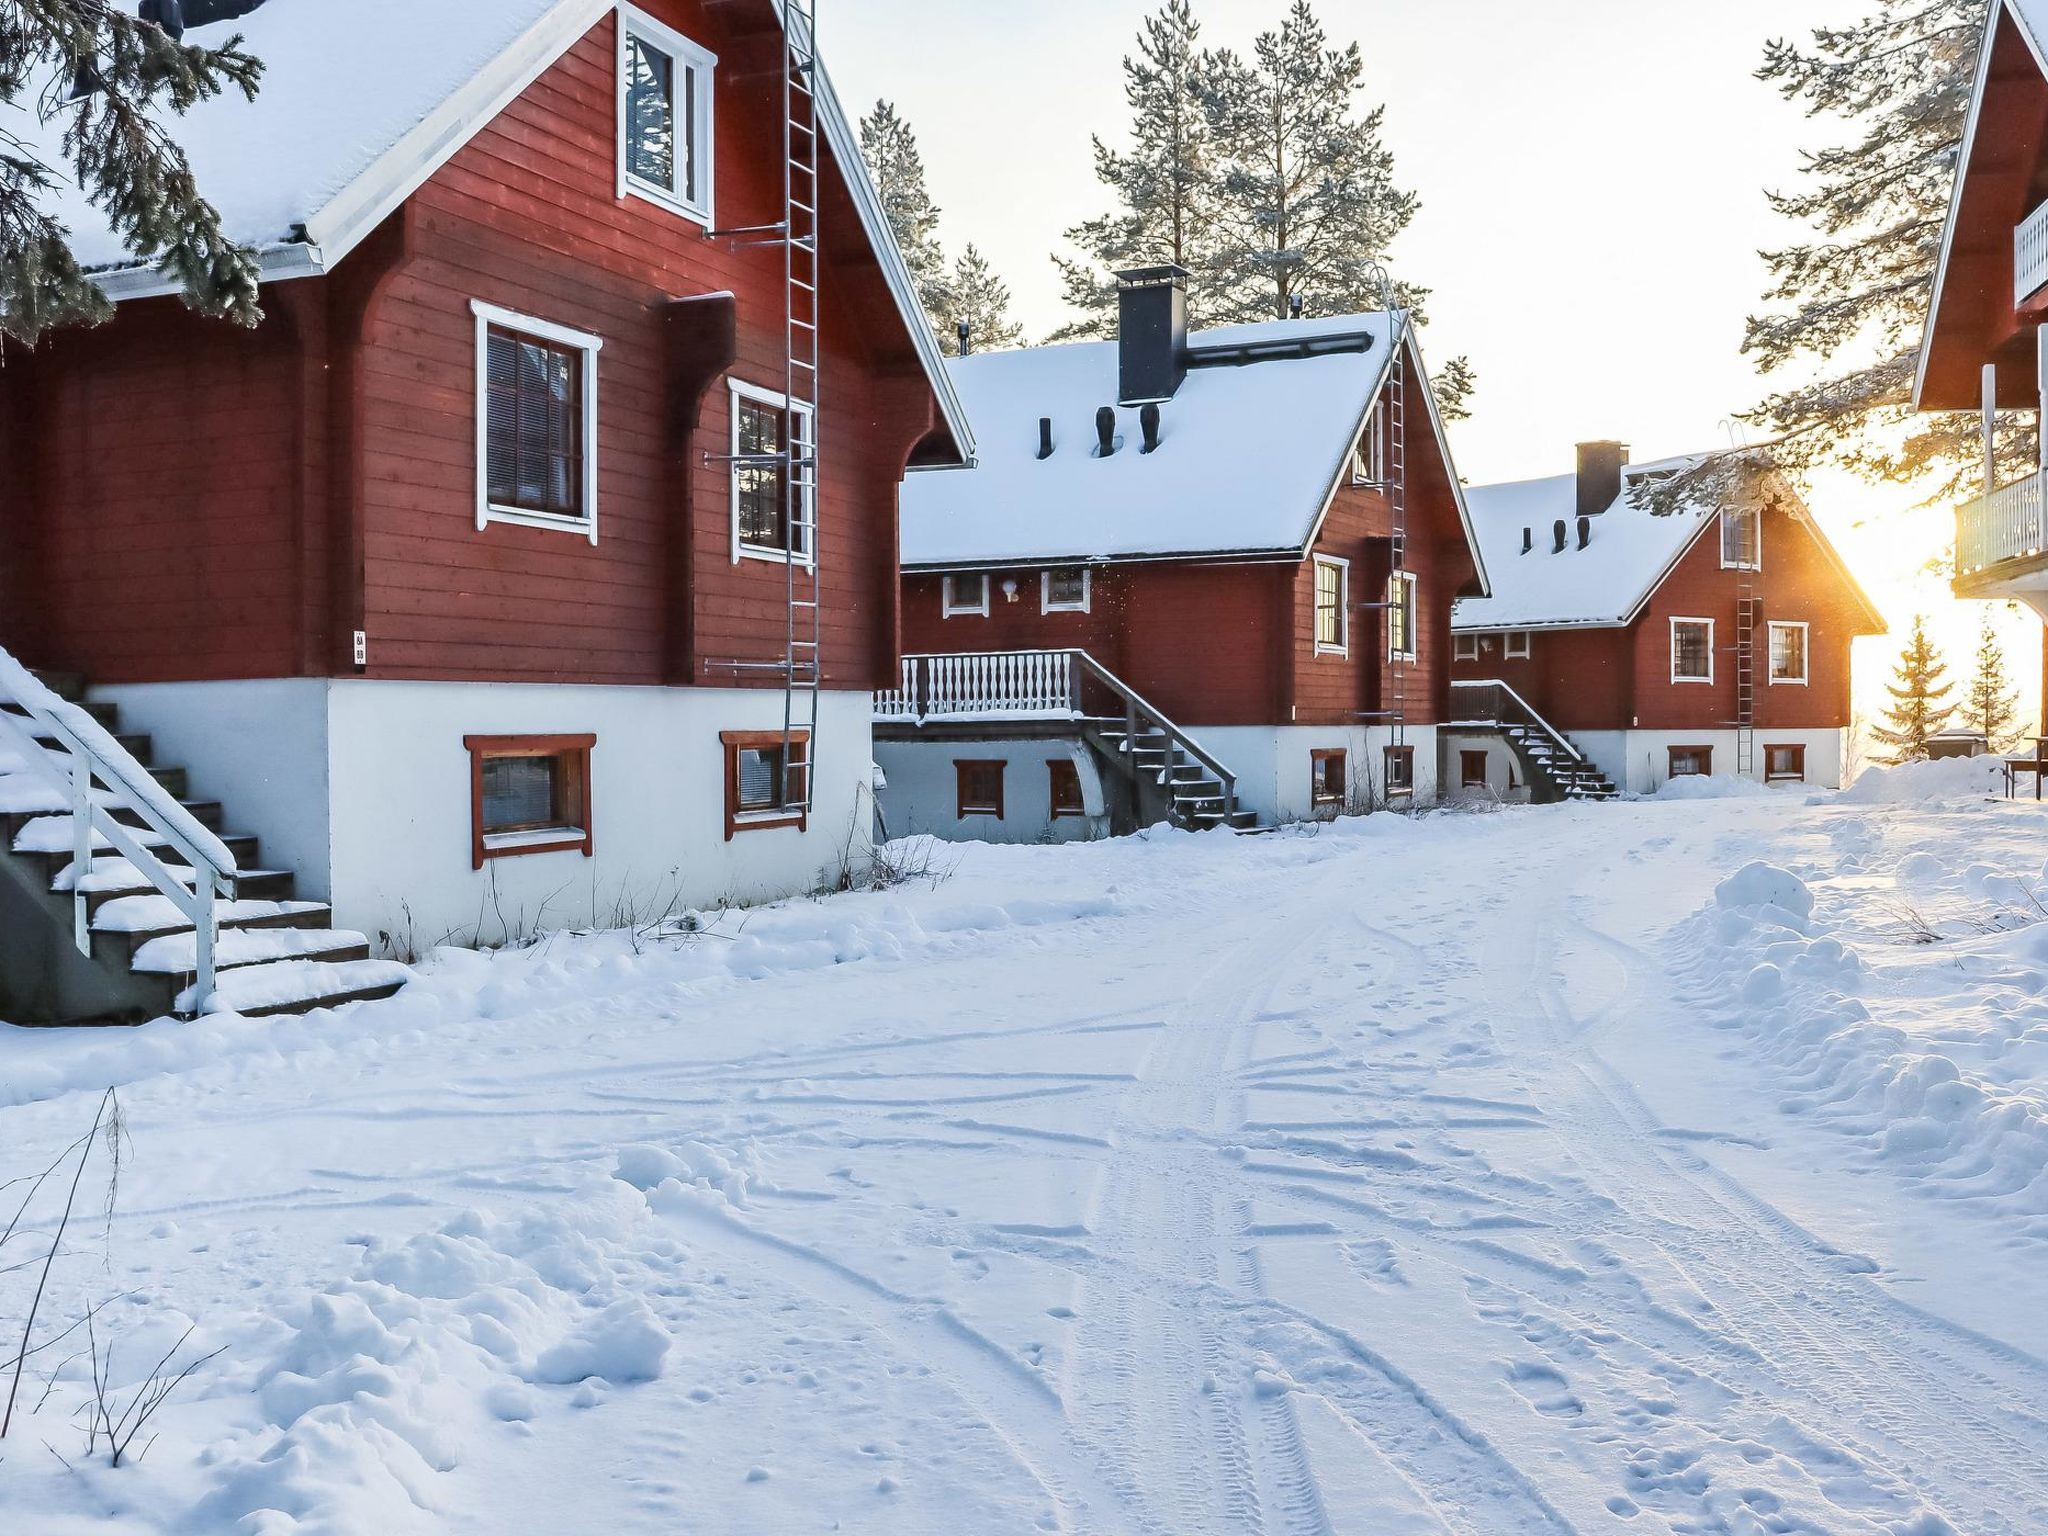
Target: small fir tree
1920,707
1164,184
112,79
981,302
1991,704
890,149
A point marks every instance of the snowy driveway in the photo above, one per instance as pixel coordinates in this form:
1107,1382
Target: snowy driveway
1409,1178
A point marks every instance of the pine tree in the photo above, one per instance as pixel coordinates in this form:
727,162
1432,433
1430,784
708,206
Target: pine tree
114,145
890,149
1919,707
1164,184
981,302
1991,704
1853,301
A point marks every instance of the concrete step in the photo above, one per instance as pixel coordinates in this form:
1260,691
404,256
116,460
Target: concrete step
297,986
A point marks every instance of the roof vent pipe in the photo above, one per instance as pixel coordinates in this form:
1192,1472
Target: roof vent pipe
1105,432
1045,437
1528,540
966,339
1148,418
1585,531
1560,535
1296,303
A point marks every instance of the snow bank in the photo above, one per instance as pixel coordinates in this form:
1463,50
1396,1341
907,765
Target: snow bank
1717,786
1928,783
1897,1012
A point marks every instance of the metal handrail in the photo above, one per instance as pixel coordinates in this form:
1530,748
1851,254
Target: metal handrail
93,755
1531,717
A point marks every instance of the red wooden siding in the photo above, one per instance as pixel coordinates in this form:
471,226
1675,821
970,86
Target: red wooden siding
214,503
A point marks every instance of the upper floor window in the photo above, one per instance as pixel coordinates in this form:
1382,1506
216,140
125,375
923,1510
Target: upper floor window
1332,619
966,596
536,422
774,505
1465,648
1515,645
1369,459
1788,653
1742,539
1692,650
1401,616
664,116
1065,590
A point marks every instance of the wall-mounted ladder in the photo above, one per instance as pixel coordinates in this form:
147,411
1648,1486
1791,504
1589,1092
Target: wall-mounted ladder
1397,510
800,668
1749,604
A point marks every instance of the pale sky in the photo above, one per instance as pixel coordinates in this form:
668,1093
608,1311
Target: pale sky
1592,176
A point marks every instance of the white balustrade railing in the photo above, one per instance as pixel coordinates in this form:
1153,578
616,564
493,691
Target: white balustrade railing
2006,525
983,684
2030,255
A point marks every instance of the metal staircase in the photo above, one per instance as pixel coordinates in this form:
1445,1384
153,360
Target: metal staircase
120,897
1556,767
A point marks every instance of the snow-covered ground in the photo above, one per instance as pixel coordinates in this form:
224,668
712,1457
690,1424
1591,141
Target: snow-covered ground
1545,1171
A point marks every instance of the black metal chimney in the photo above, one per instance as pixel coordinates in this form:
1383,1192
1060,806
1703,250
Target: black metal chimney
1600,467
1045,437
1151,333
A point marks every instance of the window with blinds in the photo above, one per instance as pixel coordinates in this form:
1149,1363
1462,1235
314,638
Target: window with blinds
534,425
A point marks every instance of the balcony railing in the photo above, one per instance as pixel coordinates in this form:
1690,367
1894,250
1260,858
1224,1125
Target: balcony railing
2006,525
1010,685
2030,255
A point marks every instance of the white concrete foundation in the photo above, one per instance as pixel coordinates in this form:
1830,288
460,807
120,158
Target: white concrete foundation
922,790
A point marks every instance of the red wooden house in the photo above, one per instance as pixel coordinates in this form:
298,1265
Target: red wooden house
1623,647
1985,347
1201,575
532,563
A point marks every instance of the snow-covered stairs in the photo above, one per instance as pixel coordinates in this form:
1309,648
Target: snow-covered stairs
275,954
1543,760
1189,794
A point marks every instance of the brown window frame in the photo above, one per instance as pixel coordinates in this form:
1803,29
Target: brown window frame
965,805
572,794
740,818
1704,753
1465,779
1406,757
1798,751
1063,773
1318,759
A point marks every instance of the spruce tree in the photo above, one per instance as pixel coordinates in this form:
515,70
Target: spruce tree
1991,703
981,302
1846,308
110,79
890,149
1163,184
1919,709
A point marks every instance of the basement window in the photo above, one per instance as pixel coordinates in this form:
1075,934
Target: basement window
1690,762
1064,783
1333,618
1326,776
965,597
1788,653
1065,590
766,780
978,786
536,422
1785,763
767,522
664,117
528,794
1400,770
1692,650
1472,769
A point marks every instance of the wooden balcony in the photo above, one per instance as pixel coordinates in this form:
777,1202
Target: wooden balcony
984,685
2001,533
2030,256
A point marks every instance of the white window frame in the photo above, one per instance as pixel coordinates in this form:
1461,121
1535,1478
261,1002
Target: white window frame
488,315
1342,567
738,390
953,610
1805,653
1709,625
1722,532
1514,644
1047,605
1413,649
1465,647
1369,453
686,56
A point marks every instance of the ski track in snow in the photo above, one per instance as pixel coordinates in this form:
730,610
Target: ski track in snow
1295,1198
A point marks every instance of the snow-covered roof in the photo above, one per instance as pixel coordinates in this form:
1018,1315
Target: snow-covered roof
1604,584
361,103
1248,458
